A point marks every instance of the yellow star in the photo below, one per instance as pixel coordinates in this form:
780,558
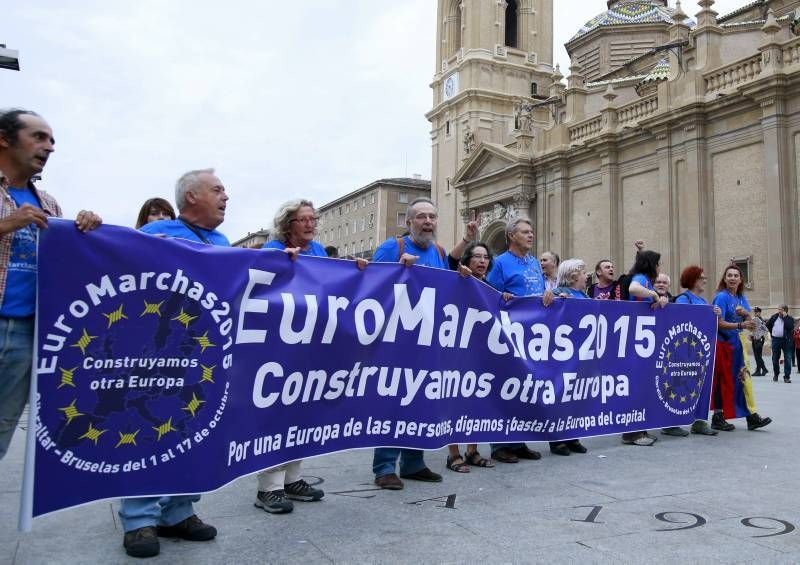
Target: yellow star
115,316
204,342
208,373
677,343
700,354
152,309
126,439
672,396
71,412
84,341
669,354
693,394
165,428
185,319
93,434
67,376
666,385
194,405
683,400
685,340
694,343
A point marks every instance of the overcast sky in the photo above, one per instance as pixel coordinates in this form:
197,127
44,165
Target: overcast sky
284,99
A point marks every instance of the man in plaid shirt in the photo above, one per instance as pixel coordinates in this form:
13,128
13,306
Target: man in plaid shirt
26,142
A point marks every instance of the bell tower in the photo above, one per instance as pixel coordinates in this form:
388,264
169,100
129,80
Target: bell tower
489,53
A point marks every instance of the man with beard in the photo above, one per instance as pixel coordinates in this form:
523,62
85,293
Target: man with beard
418,247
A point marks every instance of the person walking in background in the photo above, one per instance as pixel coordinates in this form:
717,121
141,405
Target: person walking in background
781,328
757,339
796,339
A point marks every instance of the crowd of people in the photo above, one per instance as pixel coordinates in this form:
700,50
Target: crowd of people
26,143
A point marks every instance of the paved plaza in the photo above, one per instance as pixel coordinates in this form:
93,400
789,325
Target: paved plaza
733,498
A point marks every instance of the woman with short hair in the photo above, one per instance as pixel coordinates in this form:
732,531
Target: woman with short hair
478,261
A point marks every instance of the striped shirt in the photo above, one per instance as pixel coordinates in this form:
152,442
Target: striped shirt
8,207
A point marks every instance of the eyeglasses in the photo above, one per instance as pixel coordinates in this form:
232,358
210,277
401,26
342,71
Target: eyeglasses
308,220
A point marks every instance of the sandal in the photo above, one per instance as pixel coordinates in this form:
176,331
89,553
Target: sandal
457,467
476,460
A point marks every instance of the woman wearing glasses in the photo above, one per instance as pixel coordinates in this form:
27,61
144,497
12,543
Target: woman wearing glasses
295,227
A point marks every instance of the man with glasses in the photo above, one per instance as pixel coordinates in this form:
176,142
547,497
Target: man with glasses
418,247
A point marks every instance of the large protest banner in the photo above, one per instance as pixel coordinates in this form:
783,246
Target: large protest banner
164,366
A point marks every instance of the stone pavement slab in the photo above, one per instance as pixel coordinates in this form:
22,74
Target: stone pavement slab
732,498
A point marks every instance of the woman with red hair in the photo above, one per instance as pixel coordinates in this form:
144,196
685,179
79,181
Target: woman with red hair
694,279
732,395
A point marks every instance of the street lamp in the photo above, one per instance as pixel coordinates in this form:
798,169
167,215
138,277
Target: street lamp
9,58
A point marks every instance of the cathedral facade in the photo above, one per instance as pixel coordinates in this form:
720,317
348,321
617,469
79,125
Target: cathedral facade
683,131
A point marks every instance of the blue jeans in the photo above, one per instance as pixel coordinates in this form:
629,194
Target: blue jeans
385,458
16,357
138,513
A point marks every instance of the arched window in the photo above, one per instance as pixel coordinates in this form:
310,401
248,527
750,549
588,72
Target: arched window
511,23
453,27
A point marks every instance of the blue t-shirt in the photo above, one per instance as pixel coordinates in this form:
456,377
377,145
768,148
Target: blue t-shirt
314,248
176,228
728,302
690,298
645,282
389,252
521,276
19,300
570,291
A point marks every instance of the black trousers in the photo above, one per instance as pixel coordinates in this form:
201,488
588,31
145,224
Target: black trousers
758,349
785,345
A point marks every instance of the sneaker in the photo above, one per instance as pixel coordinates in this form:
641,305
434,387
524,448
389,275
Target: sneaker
754,421
702,428
389,482
191,529
718,422
302,491
675,431
643,440
274,502
142,542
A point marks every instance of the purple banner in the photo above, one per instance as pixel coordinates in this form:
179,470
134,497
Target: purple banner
167,367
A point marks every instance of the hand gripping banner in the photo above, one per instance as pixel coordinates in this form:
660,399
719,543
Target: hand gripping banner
167,367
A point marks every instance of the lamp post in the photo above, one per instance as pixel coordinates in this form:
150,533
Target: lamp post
9,58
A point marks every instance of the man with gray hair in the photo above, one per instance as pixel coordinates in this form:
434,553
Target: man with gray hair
201,200
517,273
418,247
781,326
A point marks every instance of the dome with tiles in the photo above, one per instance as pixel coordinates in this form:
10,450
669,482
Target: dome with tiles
622,12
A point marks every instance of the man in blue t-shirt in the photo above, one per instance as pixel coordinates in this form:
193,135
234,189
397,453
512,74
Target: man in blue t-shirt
418,247
201,201
26,143
516,272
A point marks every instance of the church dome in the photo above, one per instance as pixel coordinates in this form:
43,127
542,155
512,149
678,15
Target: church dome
622,12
